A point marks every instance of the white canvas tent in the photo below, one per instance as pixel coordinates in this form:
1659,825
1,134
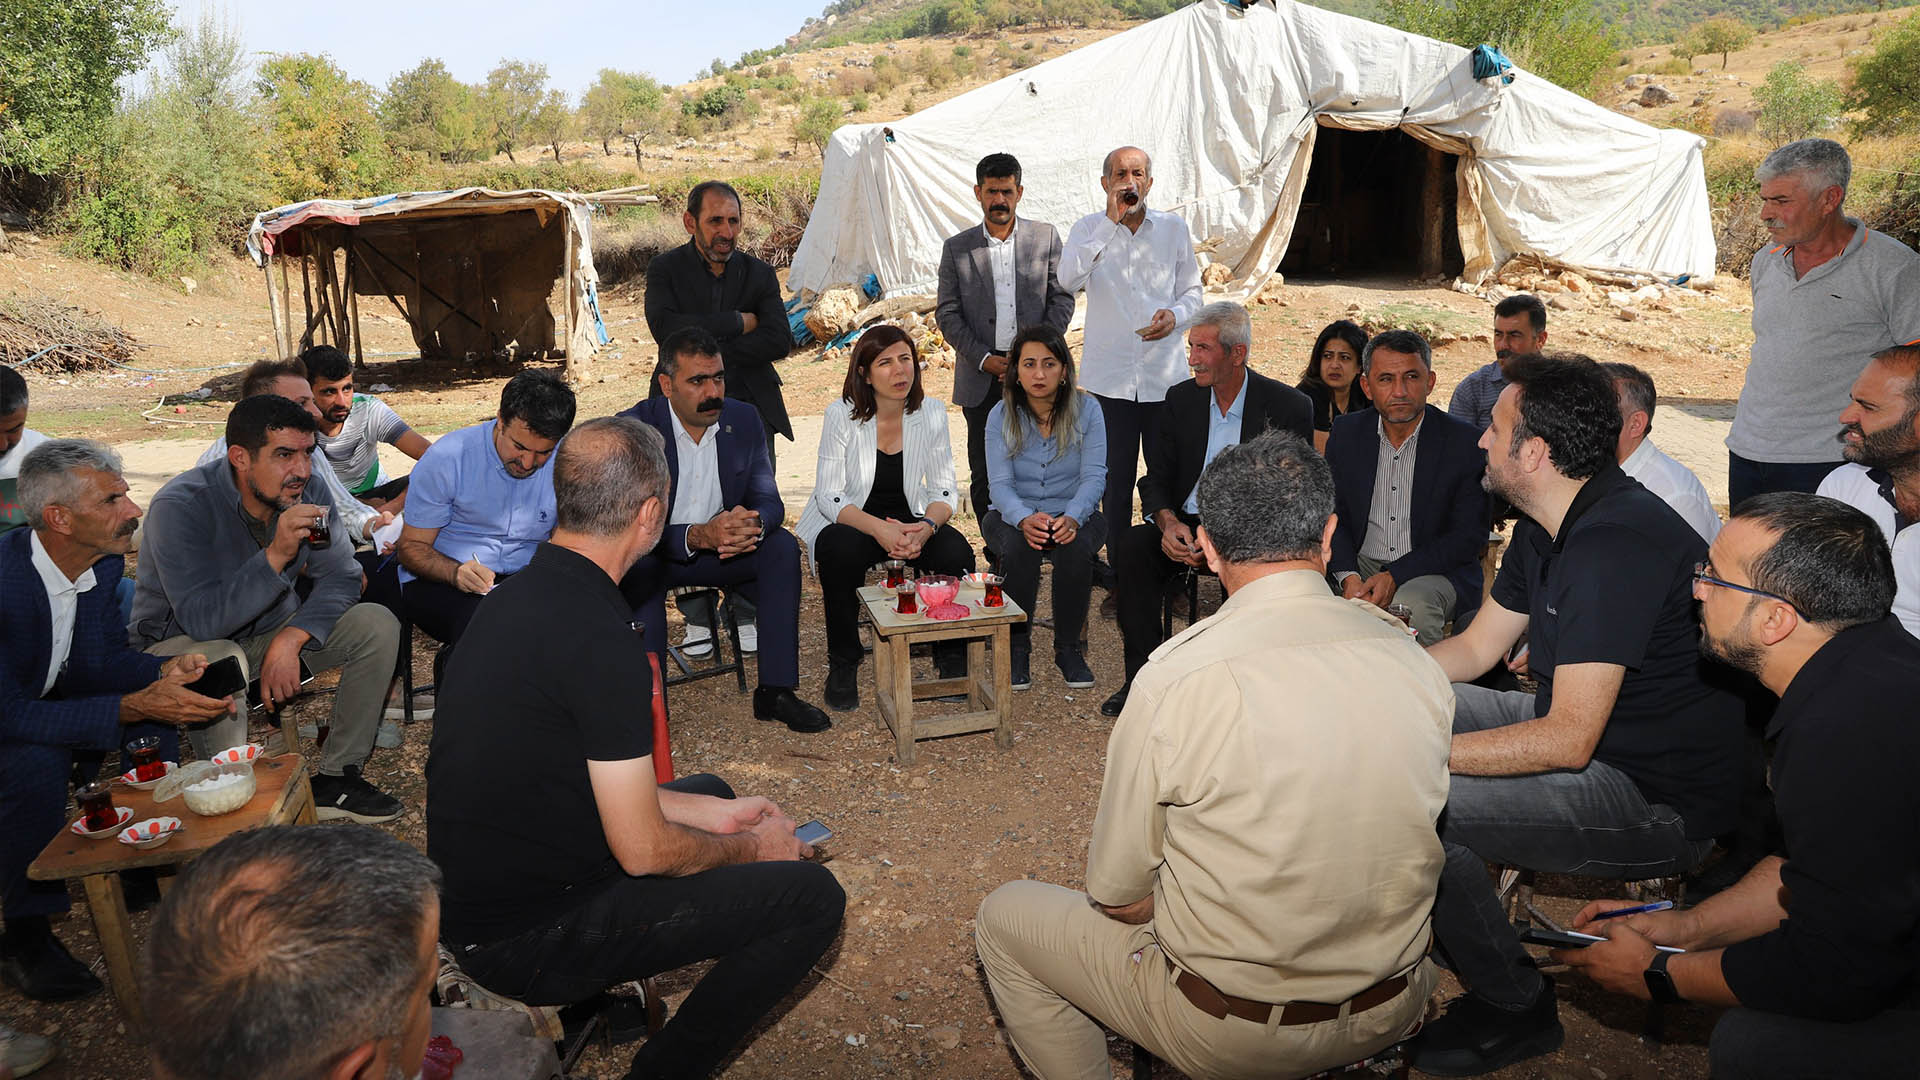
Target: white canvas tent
1231,105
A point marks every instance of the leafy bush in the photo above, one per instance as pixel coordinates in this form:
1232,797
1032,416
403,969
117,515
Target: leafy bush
1886,82
1793,105
1563,41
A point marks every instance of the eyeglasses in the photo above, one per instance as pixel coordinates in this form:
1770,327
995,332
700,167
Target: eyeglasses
1703,573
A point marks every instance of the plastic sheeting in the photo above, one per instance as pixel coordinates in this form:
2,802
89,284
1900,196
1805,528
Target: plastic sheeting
1228,104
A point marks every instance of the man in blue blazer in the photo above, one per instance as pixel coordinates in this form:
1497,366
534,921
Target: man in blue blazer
723,524
1406,481
70,686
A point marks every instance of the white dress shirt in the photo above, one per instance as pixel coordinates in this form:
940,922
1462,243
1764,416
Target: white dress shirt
63,603
1870,492
1128,276
696,497
1005,321
1676,485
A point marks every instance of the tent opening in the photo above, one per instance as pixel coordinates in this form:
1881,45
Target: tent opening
1376,202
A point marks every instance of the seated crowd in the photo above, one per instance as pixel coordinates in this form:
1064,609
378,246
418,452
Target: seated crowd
1266,893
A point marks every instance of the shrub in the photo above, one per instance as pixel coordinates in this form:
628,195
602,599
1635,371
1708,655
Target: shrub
1885,81
1794,106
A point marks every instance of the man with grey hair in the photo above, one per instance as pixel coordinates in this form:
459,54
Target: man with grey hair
1142,285
1827,294
1641,459
71,688
569,867
300,952
1199,935
1225,403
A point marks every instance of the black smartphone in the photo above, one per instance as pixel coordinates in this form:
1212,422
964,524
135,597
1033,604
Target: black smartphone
222,677
1557,939
812,833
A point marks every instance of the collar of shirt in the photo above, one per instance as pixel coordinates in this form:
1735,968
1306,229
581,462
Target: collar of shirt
1386,444
1591,492
52,576
1859,237
1011,233
1639,459
1234,411
1884,479
63,602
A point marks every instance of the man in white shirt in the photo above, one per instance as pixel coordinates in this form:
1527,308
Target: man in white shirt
1639,458
1880,438
1142,285
16,442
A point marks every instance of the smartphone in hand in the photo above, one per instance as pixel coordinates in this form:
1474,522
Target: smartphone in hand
220,678
813,833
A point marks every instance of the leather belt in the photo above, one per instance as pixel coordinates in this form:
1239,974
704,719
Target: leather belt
1208,999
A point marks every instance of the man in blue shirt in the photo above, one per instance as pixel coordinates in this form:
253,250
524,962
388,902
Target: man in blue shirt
480,501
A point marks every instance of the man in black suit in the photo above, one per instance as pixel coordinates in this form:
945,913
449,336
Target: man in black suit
1406,478
1224,404
995,278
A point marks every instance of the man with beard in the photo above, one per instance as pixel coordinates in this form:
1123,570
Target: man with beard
1816,952
70,686
995,278
352,427
1880,437
1519,328
723,523
228,550
1626,762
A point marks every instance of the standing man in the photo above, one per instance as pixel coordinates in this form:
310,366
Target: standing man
995,278
352,427
569,869
1829,293
1224,404
1142,285
17,440
1519,329
723,524
1814,952
1410,512
1224,944
70,686
1645,462
1880,437
1627,762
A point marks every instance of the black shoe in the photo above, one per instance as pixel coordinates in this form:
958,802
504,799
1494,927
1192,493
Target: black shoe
1110,606
779,703
1022,677
351,797
1117,703
1103,574
1073,668
45,971
1476,1036
843,685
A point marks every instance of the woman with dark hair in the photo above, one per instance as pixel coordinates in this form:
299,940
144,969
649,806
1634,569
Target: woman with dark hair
1333,380
1046,471
883,489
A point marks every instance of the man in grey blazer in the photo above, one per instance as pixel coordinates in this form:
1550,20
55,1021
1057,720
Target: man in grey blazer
995,278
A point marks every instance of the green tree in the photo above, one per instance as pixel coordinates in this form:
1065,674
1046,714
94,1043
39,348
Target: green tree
1886,82
1723,35
515,92
322,138
554,122
1794,106
60,62
818,119
429,111
623,105
1562,41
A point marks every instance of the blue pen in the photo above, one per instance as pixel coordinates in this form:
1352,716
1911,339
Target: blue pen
1658,905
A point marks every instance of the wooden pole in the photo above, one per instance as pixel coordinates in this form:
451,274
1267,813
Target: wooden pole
339,299
1433,214
273,305
306,297
286,305
353,320
566,293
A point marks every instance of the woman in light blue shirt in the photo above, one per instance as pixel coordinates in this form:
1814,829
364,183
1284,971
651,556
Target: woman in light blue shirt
1046,473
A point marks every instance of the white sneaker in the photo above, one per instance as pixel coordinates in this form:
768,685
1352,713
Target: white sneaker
22,1053
696,642
749,637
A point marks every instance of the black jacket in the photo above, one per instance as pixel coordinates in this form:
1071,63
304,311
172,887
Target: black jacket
682,292
1181,452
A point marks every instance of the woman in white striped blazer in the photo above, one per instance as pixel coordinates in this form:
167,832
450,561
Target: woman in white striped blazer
883,489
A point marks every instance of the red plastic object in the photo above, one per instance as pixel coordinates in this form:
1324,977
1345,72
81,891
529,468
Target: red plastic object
442,1058
662,745
948,611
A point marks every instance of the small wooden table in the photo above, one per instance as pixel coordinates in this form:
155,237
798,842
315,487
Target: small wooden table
990,704
283,794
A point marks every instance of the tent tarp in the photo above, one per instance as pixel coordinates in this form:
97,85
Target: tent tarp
1229,104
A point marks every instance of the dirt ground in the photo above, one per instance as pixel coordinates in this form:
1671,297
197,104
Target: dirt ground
917,846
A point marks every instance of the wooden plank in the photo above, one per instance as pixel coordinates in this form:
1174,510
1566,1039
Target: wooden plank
1003,686
979,690
935,688
286,304
338,306
306,297
109,906
273,305
956,724
883,687
903,732
878,601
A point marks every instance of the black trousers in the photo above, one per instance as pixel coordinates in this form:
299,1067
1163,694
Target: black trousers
1072,577
765,924
1144,570
978,497
843,554
769,574
443,611
1130,425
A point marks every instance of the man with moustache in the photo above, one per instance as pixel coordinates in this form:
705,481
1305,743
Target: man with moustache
70,686
723,522
1816,952
1880,439
352,427
1827,293
995,278
1519,328
226,545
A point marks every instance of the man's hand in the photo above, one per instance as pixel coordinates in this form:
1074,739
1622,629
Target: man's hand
728,533
749,322
1037,528
1117,206
168,700
280,671
774,840
1352,586
1177,541
295,523
378,521
1618,964
1134,914
1160,327
474,577
995,364
1378,590
1679,929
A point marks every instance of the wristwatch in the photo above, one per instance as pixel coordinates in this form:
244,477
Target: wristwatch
1659,983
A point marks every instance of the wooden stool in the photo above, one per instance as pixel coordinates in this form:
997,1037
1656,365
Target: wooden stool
990,703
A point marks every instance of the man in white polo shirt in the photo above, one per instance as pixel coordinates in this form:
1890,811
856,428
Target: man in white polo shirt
1639,458
1880,436
1827,293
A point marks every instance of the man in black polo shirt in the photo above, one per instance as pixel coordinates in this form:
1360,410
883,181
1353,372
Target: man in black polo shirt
1625,764
1817,949
567,869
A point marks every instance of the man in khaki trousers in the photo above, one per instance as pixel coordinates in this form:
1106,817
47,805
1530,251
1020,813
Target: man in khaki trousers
1264,857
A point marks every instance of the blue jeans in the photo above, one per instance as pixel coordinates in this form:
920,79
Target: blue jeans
1747,478
765,924
1592,822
